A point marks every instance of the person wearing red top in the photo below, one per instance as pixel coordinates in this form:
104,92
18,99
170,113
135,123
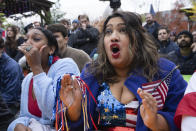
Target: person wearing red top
39,86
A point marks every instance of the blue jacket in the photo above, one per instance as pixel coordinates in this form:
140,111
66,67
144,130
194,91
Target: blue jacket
11,77
153,30
175,93
169,46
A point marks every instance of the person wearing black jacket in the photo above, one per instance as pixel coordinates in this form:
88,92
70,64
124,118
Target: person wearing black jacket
86,38
184,57
165,44
151,25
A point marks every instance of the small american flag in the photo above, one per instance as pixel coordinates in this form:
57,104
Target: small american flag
159,88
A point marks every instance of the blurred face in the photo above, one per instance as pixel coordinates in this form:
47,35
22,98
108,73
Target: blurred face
163,35
149,18
36,38
184,41
36,24
172,38
116,43
74,26
194,36
10,32
66,24
62,41
84,21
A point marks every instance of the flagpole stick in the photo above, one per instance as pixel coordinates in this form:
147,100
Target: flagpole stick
166,76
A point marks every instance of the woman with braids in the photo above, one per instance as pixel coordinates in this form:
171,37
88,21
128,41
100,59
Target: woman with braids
39,86
128,86
12,42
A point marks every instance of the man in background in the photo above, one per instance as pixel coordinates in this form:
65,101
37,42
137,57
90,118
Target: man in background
60,32
151,25
193,46
184,56
165,44
86,38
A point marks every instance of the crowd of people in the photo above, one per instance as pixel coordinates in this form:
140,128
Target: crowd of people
75,76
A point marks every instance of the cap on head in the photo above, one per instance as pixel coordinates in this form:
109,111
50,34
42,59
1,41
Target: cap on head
186,33
75,21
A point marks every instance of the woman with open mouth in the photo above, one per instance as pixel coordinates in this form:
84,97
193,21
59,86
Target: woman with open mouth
128,86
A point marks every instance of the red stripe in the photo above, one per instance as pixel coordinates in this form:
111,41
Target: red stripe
156,94
131,122
159,103
130,112
160,94
165,88
163,92
150,83
157,99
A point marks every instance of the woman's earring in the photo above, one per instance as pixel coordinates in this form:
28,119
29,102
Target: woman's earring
50,60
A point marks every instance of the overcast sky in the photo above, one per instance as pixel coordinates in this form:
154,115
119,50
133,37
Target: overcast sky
96,8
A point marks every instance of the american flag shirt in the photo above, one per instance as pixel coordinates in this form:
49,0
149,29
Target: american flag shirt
113,113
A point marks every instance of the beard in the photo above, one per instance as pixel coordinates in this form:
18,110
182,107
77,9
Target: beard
149,22
184,44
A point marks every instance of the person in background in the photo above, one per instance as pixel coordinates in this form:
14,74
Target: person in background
39,86
10,80
37,24
45,26
185,116
28,27
184,56
151,25
172,36
12,42
61,33
122,83
86,38
75,26
66,23
165,44
193,46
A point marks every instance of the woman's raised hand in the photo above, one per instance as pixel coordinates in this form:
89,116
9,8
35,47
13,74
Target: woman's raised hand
33,57
148,109
71,95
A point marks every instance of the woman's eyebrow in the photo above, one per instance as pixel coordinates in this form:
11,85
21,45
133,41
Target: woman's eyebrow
37,33
120,24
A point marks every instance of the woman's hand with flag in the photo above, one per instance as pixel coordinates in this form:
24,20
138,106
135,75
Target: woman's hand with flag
148,111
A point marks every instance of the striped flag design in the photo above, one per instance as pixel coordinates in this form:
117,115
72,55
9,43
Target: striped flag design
158,90
131,115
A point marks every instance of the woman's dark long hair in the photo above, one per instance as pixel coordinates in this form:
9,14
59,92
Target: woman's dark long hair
142,46
12,42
